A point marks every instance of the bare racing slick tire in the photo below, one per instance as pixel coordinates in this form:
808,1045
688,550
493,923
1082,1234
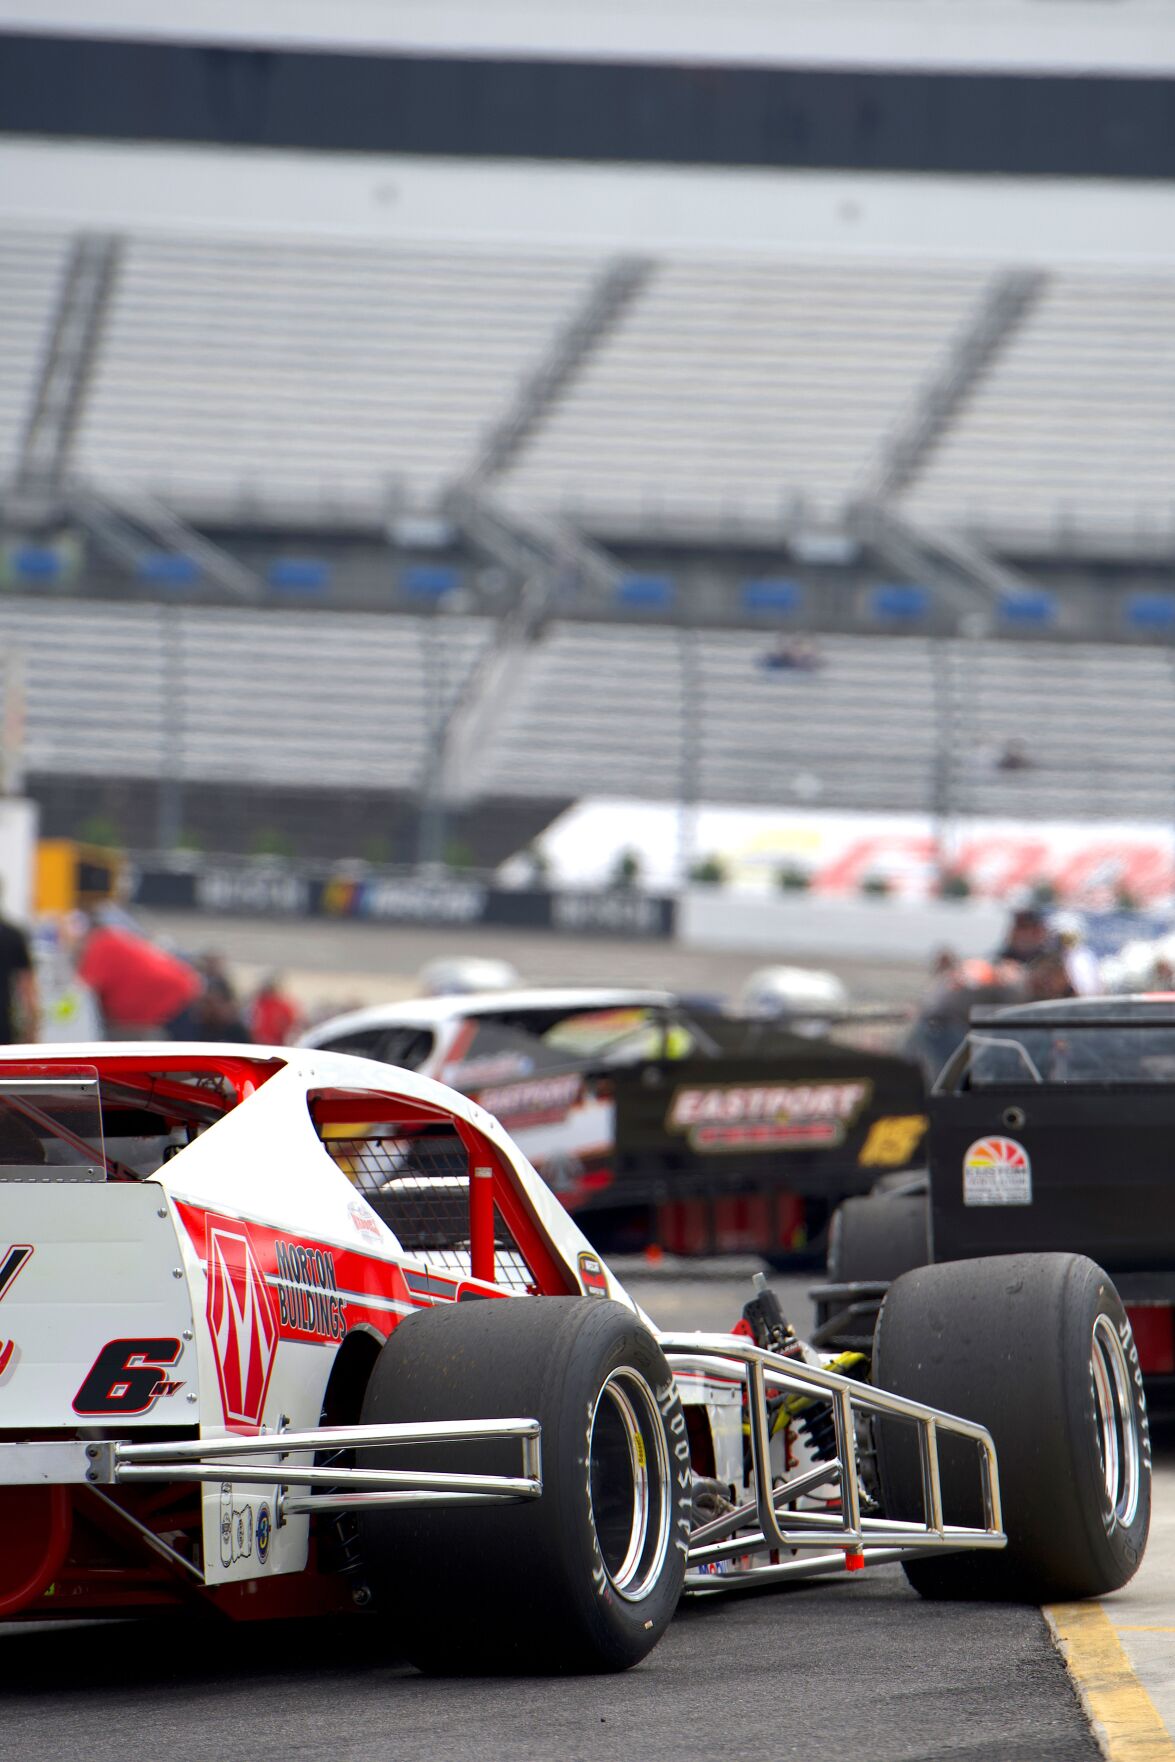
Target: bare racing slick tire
1038,1348
874,1237
587,1576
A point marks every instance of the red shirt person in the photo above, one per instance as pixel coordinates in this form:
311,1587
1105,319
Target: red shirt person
274,1019
141,989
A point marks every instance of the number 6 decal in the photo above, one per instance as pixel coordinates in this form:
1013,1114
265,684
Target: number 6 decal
128,1376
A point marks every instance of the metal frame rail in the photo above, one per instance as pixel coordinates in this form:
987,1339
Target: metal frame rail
821,1541
264,1461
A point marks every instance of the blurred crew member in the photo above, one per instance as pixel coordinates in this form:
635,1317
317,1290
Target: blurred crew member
18,986
142,990
1027,937
1081,964
274,1018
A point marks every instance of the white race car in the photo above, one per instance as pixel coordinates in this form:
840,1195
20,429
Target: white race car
288,1333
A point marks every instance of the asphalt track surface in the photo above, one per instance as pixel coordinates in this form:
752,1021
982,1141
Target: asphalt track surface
860,1668
335,966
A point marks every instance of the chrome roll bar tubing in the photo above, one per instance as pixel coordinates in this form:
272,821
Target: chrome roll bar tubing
852,1533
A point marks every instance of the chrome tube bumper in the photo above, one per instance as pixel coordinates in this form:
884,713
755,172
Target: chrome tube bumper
823,1541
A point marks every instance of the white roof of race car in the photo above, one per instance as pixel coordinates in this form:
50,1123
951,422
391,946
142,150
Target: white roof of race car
427,1012
305,1069
311,1065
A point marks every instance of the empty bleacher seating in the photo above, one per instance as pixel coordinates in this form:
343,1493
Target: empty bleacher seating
31,264
354,700
311,381
728,391
1070,435
885,724
289,697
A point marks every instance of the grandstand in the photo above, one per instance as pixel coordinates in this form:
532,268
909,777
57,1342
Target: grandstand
291,384
355,702
478,453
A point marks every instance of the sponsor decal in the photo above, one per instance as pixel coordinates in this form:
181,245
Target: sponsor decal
767,1116
242,1324
15,1259
405,901
342,1287
308,1297
997,1171
264,1533
592,1276
271,892
498,1067
892,1141
236,1528
627,914
364,1219
129,1376
534,1102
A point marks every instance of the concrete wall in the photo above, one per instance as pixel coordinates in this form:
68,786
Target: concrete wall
801,927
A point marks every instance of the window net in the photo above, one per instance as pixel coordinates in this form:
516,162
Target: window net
419,1186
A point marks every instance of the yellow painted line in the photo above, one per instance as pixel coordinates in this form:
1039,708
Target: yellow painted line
1124,1718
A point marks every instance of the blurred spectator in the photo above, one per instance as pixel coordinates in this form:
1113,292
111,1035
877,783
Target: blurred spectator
274,1017
1014,757
792,654
142,990
1045,978
18,985
217,1013
1081,964
1027,936
956,988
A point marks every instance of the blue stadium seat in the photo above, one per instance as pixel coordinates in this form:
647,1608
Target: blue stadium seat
299,574
36,563
1029,611
645,593
167,569
772,596
899,602
1150,611
428,581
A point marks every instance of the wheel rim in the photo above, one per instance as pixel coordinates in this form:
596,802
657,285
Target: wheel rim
1116,1417
628,1483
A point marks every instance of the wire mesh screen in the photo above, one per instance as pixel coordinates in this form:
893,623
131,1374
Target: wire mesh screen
419,1185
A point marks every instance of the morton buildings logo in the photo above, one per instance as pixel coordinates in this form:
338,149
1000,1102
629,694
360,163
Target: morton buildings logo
242,1324
767,1116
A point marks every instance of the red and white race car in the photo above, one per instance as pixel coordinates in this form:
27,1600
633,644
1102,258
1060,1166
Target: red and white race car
286,1333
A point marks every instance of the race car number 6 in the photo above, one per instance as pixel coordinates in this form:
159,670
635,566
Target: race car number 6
127,1376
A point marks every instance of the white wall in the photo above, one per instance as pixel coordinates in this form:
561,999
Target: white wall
1135,36
827,929
653,209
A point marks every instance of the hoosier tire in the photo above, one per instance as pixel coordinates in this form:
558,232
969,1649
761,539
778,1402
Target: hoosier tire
1037,1348
584,1578
874,1237
877,1236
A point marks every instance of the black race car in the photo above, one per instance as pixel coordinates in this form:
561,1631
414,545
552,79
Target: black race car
1051,1127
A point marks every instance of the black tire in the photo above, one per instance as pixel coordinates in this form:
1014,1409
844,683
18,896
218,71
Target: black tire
576,1580
874,1237
1037,1348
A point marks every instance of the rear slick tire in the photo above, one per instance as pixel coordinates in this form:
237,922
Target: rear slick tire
1038,1348
584,1578
874,1237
